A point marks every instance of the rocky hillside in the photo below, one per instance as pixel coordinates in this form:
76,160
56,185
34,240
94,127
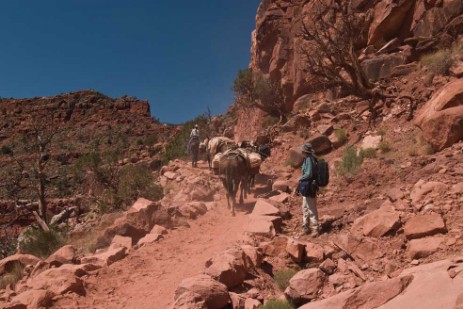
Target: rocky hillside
81,117
408,28
51,135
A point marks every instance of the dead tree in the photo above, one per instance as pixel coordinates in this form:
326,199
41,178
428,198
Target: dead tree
254,90
330,34
27,173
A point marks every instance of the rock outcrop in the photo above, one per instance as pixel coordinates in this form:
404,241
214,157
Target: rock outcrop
441,118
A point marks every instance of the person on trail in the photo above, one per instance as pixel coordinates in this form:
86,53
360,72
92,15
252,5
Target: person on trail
193,145
309,202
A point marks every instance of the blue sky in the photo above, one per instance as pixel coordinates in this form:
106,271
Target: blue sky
181,55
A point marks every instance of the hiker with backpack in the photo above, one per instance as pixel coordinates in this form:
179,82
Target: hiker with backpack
193,145
314,175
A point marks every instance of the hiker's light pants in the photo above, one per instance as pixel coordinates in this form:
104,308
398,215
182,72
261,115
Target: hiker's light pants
309,211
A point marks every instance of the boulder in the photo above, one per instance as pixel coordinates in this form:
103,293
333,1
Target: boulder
149,238
275,247
424,225
422,188
170,175
227,267
60,280
314,253
106,258
281,185
122,228
201,289
64,255
251,303
381,66
361,248
304,286
423,247
35,298
280,198
321,144
140,214
431,23
122,241
328,266
295,250
261,225
264,207
296,157
378,223
370,295
389,17
8,263
395,194
441,118
325,129
157,229
253,256
432,287
371,141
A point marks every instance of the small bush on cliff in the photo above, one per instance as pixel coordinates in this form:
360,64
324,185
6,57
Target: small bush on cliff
254,90
283,276
368,153
40,243
384,146
277,304
350,162
341,135
5,150
438,62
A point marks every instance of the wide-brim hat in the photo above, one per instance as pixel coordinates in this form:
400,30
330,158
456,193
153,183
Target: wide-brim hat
307,148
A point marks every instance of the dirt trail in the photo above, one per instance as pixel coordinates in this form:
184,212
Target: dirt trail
148,277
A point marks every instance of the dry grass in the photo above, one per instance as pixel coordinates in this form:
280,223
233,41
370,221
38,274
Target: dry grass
12,277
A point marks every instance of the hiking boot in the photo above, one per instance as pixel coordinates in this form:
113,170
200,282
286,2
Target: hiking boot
314,233
306,230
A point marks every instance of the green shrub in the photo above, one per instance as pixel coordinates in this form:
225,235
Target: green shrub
413,151
368,153
151,139
244,82
40,243
139,142
12,276
384,146
283,276
429,149
5,150
341,135
7,246
137,181
350,162
270,122
381,132
176,147
438,62
277,304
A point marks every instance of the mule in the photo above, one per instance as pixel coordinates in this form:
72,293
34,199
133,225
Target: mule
234,173
215,145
